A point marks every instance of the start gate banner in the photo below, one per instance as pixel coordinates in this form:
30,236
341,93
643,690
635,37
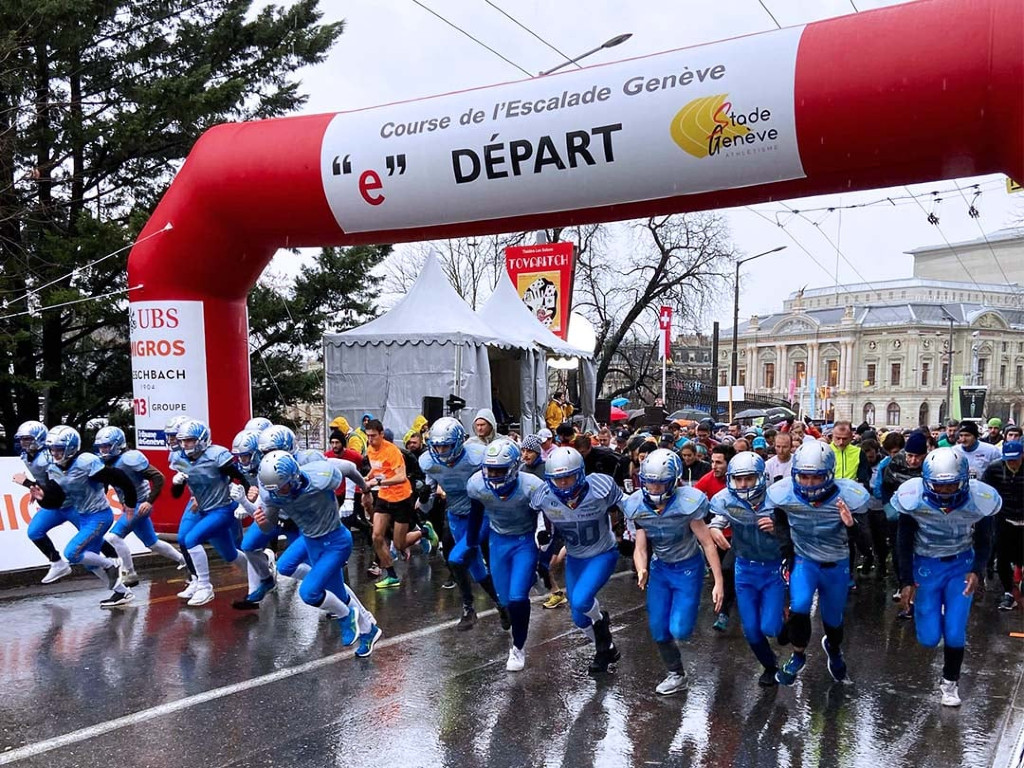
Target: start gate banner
16,512
543,276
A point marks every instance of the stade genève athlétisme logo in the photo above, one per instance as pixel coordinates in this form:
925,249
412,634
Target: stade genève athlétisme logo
709,126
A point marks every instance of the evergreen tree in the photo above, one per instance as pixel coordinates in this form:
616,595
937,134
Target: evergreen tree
100,101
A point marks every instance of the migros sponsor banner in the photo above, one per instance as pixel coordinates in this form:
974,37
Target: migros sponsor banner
16,512
683,122
543,275
168,346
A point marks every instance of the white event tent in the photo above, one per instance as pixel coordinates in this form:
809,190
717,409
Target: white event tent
431,343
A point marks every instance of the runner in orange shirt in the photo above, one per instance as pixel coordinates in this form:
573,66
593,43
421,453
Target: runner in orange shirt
391,500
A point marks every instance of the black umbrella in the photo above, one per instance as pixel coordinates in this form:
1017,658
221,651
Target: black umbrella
689,414
751,413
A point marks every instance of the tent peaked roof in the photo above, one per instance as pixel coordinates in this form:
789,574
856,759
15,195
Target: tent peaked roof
431,312
506,310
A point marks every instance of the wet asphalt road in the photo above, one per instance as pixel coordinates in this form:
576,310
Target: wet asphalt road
158,684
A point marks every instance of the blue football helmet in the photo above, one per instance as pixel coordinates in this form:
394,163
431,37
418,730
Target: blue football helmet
819,460
741,465
276,438
63,443
660,467
110,442
171,430
31,436
501,466
193,429
246,450
946,467
445,440
258,424
280,475
565,462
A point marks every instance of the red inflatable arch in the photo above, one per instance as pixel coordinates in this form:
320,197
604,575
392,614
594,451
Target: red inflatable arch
917,92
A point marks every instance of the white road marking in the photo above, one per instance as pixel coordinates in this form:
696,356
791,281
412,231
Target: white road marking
152,713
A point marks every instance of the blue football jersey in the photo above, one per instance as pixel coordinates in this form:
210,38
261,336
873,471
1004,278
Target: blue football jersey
453,479
315,509
817,530
671,538
941,533
86,494
587,527
748,540
210,487
513,515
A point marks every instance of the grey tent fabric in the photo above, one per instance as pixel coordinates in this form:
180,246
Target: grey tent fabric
430,343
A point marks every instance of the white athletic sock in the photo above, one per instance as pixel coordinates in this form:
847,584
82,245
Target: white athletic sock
589,632
301,571
252,573
594,614
166,550
333,604
94,560
259,565
202,564
100,574
122,550
364,619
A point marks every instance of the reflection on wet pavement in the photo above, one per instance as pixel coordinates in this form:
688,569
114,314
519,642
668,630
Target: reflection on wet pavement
161,684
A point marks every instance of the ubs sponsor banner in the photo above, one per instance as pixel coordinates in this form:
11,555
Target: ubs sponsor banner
168,366
542,274
693,120
17,510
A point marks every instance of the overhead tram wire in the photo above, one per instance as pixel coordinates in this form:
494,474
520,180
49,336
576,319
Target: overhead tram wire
48,307
973,213
891,201
76,270
475,40
531,32
761,2
945,239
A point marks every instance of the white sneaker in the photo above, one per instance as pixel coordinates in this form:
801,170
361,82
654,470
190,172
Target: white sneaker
58,570
189,590
675,682
272,561
202,595
516,659
130,578
950,694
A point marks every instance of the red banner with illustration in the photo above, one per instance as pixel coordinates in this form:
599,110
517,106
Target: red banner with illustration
543,275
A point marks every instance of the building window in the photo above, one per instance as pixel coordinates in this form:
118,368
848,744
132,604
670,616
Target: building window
925,366
723,379
892,415
1020,346
982,370
923,414
870,379
769,375
1002,377
742,377
1006,344
833,373
869,414
894,375
945,374
799,371
1018,377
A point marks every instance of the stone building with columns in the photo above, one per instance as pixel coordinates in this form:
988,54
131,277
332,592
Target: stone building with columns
881,352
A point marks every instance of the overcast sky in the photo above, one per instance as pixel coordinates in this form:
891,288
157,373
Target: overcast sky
395,50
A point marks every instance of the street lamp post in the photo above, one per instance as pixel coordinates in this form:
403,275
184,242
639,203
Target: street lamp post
617,40
949,365
736,319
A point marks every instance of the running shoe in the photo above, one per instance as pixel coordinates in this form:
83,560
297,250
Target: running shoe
835,662
57,571
787,672
516,659
675,682
116,599
368,640
950,696
388,582
555,600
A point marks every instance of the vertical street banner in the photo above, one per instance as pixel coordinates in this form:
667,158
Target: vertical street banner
543,277
665,328
168,366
